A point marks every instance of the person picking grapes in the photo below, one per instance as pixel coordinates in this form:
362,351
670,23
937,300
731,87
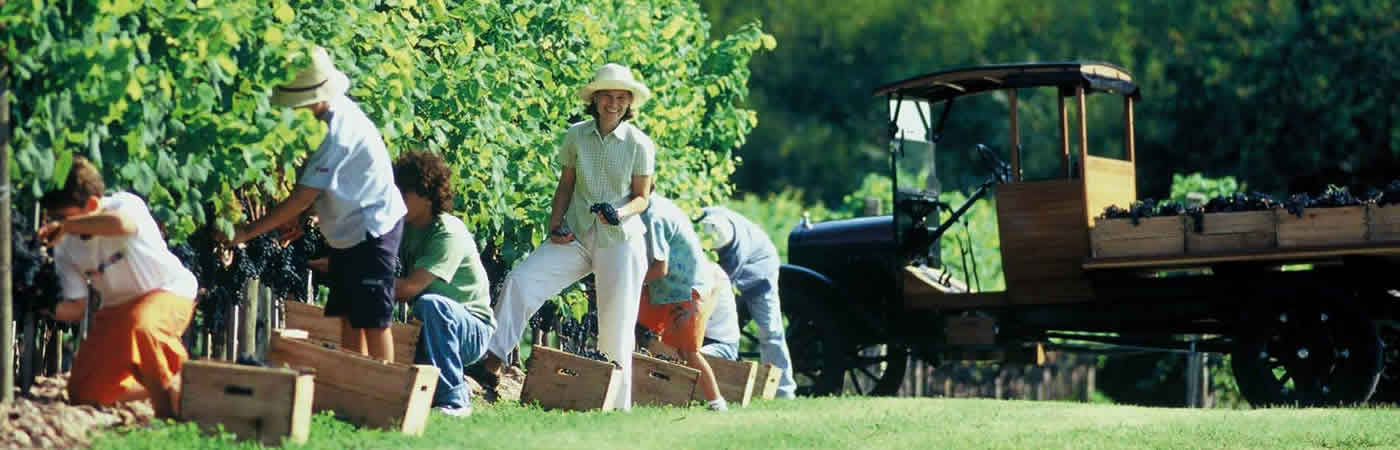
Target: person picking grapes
445,281
594,226
350,181
678,295
133,350
751,261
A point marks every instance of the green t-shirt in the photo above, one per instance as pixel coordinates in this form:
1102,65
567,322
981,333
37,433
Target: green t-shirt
448,251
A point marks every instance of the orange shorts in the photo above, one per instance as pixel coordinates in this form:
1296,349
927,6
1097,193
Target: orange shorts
681,324
129,342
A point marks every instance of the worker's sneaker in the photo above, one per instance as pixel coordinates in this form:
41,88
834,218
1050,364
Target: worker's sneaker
455,412
718,405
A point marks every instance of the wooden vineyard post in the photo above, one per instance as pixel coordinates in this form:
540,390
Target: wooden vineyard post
248,321
7,315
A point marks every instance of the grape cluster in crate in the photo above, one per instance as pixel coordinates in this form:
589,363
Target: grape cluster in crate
1248,222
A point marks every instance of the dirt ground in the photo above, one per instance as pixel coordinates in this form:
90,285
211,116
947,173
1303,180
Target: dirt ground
45,419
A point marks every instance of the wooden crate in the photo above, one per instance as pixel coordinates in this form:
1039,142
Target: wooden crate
1230,231
312,318
1152,236
561,380
253,403
768,378
1383,223
367,392
1321,227
656,382
736,380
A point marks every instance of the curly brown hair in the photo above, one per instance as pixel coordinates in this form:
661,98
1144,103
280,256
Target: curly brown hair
84,180
426,174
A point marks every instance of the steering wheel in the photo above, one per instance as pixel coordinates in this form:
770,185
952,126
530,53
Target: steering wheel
1000,169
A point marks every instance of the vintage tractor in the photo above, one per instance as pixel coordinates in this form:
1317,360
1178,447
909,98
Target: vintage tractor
862,295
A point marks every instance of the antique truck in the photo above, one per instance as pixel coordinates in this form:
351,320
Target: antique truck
1303,323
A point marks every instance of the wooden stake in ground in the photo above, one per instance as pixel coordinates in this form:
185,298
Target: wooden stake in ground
7,317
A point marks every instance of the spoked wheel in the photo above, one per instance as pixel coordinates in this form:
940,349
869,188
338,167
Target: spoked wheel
1388,389
874,369
1312,356
813,339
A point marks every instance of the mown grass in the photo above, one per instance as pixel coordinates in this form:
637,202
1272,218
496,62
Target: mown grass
874,423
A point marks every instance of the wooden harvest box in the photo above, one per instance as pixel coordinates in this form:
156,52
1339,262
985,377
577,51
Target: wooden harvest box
656,382
561,380
736,380
253,403
1383,223
768,378
1228,231
1152,236
312,318
1322,227
365,391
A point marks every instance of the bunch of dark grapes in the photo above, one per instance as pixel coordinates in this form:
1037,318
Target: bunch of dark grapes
1297,203
1240,202
33,276
1388,195
1142,209
1335,197
596,355
546,318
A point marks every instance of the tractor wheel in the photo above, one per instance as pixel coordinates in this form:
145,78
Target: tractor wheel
1309,356
814,341
1388,389
875,369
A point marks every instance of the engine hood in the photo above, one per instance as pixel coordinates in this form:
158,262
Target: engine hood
863,231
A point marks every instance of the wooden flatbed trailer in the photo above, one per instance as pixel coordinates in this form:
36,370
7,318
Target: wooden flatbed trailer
1304,325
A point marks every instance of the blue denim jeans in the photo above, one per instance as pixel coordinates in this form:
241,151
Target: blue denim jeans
451,339
721,350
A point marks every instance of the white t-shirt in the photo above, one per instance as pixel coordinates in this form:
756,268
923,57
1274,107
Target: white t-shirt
723,325
122,268
356,178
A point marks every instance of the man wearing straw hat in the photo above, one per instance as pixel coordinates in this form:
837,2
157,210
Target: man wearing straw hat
594,226
350,181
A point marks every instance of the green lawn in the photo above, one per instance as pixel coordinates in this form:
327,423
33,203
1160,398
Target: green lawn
875,423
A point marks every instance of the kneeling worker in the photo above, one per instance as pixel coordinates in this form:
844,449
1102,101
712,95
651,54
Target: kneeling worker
674,302
133,350
444,279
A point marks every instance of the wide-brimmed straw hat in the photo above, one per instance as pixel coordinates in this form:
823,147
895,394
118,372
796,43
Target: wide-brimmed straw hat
615,76
318,83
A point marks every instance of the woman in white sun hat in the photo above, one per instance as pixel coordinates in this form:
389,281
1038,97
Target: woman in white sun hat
607,168
350,181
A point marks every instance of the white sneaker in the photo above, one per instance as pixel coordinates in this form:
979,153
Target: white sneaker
718,405
455,412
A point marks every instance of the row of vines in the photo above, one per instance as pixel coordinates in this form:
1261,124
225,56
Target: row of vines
170,99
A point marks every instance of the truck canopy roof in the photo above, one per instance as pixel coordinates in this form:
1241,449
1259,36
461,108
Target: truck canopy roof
939,86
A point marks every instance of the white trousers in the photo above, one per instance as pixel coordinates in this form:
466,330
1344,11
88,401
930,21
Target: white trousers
619,272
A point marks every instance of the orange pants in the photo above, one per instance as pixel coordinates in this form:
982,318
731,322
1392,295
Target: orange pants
135,341
681,324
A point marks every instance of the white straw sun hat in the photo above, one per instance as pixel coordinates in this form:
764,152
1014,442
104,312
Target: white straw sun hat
317,83
615,76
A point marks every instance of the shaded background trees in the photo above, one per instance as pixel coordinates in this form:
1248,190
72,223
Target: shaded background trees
1262,91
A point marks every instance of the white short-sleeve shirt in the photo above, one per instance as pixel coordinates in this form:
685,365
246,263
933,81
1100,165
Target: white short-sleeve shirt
122,268
604,167
356,178
723,325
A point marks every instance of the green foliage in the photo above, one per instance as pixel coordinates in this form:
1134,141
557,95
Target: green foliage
169,97
1196,183
778,213
1260,90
